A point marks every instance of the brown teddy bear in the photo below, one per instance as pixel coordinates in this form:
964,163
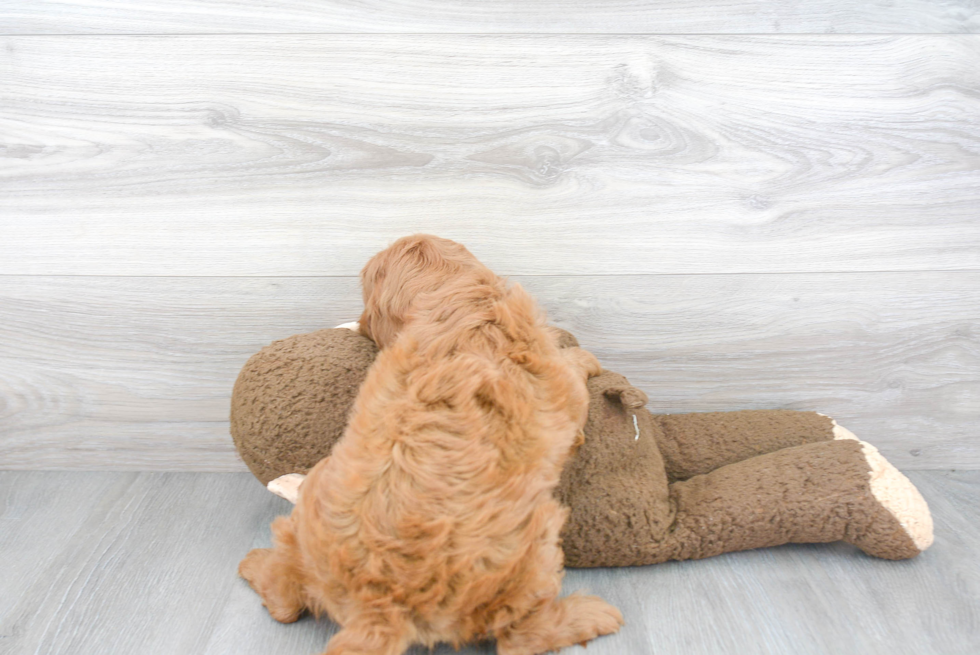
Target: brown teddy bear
642,488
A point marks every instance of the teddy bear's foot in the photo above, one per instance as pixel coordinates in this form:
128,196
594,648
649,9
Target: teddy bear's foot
902,504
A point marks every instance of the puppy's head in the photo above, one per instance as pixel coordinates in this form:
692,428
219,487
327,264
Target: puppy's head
393,281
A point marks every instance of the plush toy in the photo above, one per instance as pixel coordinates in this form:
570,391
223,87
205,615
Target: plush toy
642,488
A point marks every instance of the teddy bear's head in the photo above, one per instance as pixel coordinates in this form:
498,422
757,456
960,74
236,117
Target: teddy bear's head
290,402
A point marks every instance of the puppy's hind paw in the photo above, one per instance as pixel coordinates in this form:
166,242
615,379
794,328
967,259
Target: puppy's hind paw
271,579
575,619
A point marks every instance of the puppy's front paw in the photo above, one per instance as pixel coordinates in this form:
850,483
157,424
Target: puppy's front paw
583,361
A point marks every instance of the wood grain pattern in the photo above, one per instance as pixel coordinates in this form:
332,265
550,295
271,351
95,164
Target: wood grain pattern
136,373
304,155
124,562
35,532
541,16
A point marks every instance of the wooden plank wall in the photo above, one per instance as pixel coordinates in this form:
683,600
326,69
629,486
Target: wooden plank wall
727,205
479,16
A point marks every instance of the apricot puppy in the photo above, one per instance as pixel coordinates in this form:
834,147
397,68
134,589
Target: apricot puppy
433,519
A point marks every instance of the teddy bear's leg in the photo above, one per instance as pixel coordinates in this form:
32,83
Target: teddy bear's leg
274,573
695,444
820,492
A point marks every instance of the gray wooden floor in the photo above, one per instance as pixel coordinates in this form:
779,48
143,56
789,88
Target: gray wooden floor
112,562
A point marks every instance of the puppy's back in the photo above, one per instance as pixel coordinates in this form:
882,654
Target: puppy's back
440,492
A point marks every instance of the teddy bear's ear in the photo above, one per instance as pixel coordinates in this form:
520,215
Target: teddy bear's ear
629,395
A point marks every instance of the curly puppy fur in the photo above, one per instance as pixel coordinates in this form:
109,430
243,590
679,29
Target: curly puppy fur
433,519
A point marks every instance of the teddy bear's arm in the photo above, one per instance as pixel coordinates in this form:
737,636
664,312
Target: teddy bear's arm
353,325
287,486
695,444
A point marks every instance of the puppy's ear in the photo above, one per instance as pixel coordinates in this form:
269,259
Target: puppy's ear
377,326
377,299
